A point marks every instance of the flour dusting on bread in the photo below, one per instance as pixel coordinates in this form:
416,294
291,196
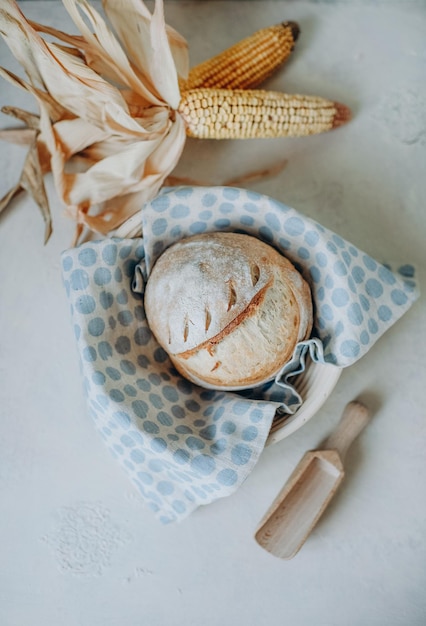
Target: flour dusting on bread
227,308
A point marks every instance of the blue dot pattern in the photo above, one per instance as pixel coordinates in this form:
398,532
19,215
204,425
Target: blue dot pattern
183,446
352,292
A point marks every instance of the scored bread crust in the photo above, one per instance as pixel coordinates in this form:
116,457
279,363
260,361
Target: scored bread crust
227,308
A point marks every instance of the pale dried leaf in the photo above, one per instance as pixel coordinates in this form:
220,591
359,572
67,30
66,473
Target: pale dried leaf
30,119
112,176
126,140
93,99
163,68
18,136
157,167
69,81
113,145
43,154
106,45
7,199
11,19
93,57
77,41
55,110
73,51
179,49
52,147
32,181
178,44
76,86
133,32
75,135
165,158
116,213
103,149
152,119
145,40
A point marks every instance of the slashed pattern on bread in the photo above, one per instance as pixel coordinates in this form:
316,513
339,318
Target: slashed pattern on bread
227,308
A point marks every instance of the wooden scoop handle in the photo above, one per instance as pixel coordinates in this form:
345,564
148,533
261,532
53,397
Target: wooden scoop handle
354,419
303,499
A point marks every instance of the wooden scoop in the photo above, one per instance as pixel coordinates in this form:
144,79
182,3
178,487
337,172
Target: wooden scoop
304,497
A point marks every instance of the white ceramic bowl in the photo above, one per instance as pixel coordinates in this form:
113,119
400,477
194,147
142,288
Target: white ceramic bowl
314,385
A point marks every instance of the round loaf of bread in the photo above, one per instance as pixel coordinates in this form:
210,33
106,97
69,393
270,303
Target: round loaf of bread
227,308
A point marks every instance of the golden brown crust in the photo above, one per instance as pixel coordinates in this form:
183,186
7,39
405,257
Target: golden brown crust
227,308
210,343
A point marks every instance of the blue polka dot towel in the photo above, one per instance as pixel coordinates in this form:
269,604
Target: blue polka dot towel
183,446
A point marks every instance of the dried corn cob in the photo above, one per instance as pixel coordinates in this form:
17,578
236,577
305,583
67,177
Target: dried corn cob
248,114
247,63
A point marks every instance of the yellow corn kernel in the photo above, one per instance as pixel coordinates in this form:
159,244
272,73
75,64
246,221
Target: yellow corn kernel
261,114
247,63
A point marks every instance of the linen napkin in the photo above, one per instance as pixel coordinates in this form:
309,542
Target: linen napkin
183,446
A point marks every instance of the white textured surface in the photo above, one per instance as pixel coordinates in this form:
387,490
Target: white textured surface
77,546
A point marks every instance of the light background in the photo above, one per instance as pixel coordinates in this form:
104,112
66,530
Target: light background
77,546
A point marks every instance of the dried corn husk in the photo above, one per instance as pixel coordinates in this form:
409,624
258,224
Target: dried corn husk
31,120
31,180
112,118
102,97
